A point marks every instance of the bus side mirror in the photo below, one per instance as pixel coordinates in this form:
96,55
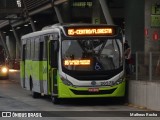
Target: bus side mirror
54,46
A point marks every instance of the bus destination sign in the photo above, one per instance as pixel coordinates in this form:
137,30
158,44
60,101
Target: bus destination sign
77,62
90,31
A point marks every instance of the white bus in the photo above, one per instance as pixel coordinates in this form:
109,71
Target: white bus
74,61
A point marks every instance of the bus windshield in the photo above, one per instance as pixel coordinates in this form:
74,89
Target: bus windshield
92,54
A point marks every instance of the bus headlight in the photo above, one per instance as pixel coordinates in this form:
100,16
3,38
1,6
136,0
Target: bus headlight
66,82
4,70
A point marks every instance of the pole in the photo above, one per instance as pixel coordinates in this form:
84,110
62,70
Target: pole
106,12
4,45
58,14
17,39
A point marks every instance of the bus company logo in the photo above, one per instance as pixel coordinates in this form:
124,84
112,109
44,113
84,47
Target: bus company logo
6,114
93,83
21,114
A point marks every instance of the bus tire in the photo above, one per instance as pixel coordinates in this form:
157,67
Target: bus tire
55,100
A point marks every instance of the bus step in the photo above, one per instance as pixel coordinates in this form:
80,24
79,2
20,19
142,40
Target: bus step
54,94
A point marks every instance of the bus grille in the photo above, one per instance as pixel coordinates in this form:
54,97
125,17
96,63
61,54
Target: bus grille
85,92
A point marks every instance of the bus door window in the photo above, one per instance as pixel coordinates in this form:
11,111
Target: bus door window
24,52
23,68
53,50
54,53
41,65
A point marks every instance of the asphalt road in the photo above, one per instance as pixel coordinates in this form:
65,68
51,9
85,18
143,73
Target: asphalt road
15,99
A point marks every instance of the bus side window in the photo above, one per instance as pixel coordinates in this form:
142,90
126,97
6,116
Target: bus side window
28,49
46,39
45,50
41,51
32,49
36,48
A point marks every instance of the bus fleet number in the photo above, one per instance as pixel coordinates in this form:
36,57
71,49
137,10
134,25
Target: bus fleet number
107,83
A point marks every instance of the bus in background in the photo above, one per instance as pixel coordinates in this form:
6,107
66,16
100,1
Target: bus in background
3,66
73,61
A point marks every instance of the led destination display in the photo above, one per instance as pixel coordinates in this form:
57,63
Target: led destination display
77,62
90,31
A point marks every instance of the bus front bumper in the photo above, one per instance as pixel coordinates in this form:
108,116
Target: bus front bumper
65,91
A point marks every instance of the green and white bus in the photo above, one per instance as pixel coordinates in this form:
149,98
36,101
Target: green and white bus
74,61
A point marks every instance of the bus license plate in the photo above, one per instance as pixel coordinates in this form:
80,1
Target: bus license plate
93,89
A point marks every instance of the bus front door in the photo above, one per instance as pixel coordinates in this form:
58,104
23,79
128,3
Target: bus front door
22,70
53,64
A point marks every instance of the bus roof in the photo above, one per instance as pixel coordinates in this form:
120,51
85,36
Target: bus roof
61,26
37,33
74,25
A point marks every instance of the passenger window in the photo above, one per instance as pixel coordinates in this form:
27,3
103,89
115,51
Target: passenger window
41,51
28,49
36,52
32,49
46,38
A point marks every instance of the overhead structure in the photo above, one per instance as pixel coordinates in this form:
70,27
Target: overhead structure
17,12
106,12
9,8
4,44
